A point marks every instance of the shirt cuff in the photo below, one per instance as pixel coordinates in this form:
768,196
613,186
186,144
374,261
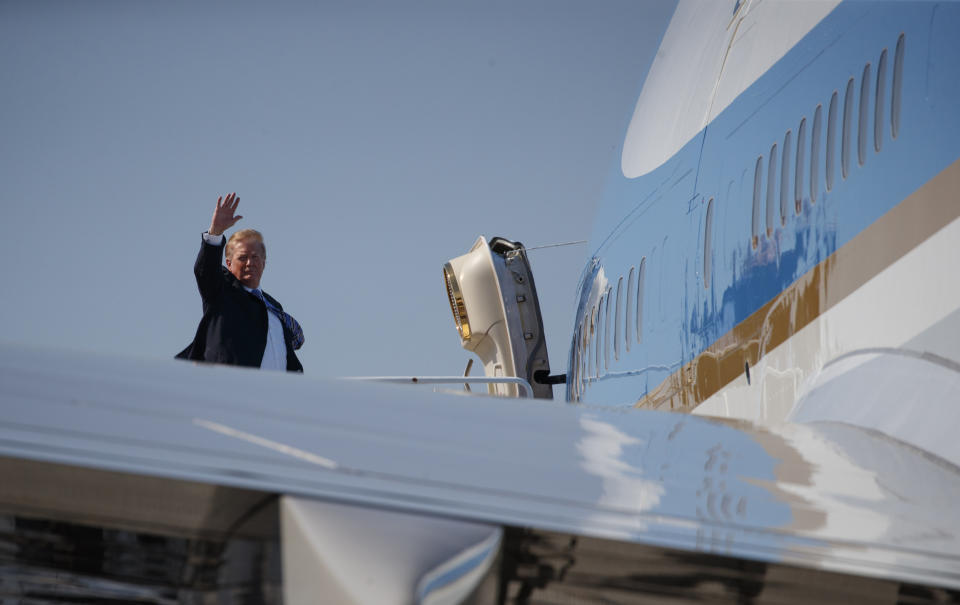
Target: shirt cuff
214,240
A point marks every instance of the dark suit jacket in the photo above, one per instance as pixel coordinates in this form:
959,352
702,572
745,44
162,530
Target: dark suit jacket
233,329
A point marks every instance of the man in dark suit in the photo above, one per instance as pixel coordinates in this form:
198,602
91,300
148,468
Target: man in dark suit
241,325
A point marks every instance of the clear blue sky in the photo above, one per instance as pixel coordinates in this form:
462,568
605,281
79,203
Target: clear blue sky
369,141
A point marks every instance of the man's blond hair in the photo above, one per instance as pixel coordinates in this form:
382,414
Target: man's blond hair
245,235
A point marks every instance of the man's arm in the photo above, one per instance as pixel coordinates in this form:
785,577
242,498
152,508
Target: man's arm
207,268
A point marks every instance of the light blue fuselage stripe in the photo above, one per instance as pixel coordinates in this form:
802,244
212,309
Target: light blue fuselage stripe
661,215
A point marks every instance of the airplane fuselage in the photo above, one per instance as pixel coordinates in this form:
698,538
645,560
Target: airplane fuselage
813,216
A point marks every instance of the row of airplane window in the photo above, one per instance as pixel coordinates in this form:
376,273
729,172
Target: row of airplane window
612,326
774,196
614,323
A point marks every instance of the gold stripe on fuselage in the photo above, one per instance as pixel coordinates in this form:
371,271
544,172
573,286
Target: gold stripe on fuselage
890,237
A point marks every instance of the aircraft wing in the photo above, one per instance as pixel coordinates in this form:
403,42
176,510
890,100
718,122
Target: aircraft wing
535,498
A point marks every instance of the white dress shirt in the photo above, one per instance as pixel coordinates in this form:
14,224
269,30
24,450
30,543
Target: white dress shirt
275,353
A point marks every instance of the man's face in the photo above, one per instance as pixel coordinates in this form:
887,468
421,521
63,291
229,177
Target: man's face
247,262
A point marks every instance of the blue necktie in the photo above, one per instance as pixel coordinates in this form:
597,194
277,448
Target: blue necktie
286,319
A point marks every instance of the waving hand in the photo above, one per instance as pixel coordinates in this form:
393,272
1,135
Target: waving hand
223,215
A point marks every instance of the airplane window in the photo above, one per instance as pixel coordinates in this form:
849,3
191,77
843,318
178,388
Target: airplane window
582,357
800,169
785,179
574,374
590,333
587,354
575,353
757,188
617,325
771,188
815,154
606,329
641,274
631,311
600,336
831,140
575,384
897,86
707,244
847,129
578,381
579,352
864,110
596,343
587,329
878,108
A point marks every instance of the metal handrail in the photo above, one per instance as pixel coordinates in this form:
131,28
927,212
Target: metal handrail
450,380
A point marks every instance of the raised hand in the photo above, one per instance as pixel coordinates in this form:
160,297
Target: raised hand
223,215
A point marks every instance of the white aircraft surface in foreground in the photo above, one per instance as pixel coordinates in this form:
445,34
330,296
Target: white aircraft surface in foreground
386,494
774,254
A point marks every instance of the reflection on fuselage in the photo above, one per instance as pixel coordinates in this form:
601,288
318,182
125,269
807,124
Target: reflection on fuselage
741,274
